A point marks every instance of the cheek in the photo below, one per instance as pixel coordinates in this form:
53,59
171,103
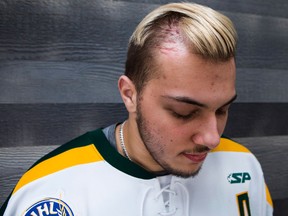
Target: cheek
178,136
165,133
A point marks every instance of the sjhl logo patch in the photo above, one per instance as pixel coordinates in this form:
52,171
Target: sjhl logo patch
49,206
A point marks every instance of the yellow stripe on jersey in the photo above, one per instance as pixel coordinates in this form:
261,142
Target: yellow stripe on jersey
268,196
229,145
72,157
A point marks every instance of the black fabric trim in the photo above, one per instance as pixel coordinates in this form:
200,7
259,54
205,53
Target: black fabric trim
4,206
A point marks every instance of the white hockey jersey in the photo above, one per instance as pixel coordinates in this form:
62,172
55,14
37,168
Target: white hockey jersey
88,177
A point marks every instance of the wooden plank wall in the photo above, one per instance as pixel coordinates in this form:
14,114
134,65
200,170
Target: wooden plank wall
60,61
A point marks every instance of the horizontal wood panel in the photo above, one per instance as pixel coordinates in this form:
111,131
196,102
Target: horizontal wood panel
82,82
257,119
239,6
261,85
59,82
55,124
280,207
99,31
280,7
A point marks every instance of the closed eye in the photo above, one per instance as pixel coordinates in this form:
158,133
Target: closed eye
184,117
222,111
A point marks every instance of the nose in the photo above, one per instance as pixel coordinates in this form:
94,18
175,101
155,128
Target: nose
207,133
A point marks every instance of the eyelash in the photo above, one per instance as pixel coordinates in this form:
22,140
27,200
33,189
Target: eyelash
184,117
220,112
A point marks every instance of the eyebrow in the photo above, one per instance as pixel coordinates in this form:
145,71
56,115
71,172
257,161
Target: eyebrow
194,102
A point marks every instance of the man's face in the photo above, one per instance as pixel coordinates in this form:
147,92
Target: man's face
183,112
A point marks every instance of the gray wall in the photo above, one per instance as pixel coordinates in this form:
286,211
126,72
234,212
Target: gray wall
60,61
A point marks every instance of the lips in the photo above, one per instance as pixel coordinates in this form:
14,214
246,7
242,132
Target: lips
196,157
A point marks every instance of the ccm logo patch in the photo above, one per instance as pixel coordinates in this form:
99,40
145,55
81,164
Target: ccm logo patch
236,178
49,206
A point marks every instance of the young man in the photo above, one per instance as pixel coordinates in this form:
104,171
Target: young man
168,157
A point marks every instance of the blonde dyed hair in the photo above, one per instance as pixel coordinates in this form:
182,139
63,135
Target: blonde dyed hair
203,30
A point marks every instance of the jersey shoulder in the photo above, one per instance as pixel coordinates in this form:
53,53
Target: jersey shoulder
76,152
228,145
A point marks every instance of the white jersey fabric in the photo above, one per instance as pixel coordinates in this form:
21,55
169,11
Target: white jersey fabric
87,176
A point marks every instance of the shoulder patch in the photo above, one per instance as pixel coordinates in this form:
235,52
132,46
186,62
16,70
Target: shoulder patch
49,206
230,146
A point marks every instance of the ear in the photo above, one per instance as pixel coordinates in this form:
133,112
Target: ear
128,93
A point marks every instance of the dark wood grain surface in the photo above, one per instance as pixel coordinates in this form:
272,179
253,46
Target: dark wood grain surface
60,61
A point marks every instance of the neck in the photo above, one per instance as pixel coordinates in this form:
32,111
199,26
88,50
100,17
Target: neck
137,153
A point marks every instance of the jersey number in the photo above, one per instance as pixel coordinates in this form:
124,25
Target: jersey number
243,204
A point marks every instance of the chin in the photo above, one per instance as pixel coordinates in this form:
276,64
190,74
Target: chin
184,173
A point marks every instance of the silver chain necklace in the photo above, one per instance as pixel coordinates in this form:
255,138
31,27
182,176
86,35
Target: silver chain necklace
122,143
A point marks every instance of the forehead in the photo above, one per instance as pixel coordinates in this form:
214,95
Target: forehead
183,73
178,61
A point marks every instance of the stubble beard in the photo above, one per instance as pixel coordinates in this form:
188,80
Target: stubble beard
150,142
